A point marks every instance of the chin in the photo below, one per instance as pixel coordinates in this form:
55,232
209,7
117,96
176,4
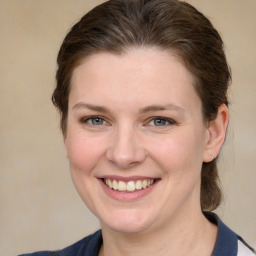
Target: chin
127,222
126,228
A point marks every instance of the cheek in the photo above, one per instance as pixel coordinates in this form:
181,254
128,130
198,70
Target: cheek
179,153
83,152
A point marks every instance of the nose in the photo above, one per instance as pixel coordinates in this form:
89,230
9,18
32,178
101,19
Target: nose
126,150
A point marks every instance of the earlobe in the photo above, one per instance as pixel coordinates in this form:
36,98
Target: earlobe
217,133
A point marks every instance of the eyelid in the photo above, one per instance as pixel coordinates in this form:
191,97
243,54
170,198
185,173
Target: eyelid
170,121
84,120
167,119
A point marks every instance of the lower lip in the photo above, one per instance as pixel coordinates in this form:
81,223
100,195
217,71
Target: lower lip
127,196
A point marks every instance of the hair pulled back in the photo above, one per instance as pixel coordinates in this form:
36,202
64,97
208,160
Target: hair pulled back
117,25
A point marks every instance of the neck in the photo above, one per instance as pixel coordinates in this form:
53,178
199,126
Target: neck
184,235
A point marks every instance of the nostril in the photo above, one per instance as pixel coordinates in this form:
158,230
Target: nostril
126,157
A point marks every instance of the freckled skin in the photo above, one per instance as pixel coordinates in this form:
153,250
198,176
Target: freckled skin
129,143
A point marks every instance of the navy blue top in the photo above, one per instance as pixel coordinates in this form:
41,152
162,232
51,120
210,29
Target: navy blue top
226,243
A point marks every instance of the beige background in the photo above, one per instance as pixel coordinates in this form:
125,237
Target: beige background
39,205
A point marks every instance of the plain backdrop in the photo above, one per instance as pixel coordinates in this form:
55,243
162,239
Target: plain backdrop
40,208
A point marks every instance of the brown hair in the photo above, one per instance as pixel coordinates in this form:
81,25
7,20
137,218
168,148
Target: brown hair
117,25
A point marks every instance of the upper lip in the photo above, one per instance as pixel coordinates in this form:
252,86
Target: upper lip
126,179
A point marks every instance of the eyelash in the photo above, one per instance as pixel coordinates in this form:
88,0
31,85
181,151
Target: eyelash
167,121
91,118
158,118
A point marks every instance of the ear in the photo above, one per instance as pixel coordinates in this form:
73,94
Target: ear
216,134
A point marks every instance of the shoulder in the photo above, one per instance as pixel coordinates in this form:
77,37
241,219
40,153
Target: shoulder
228,242
244,249
89,245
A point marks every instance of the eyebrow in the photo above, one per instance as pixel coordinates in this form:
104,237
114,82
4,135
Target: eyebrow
151,108
91,107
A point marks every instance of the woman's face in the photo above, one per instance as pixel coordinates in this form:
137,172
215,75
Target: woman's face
136,138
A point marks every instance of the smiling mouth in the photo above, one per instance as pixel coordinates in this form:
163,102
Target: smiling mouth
130,186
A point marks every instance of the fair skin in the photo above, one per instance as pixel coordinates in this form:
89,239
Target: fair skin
136,120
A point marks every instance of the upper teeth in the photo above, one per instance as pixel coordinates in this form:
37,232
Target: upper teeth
129,186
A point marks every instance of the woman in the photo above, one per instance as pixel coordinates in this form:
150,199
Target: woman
142,93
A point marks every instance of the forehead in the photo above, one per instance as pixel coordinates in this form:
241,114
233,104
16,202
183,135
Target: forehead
135,76
141,58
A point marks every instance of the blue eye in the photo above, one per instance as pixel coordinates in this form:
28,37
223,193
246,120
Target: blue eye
161,122
94,121
97,121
